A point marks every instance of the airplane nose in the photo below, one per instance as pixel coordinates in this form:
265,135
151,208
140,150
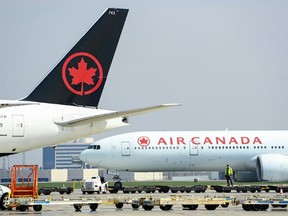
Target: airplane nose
83,156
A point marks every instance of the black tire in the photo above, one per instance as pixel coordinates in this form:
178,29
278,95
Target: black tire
211,207
37,208
264,207
77,207
119,205
22,208
83,192
93,206
4,201
147,207
165,207
118,185
190,207
246,207
225,205
135,206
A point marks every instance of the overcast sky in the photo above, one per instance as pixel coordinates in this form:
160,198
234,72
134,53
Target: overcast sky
225,61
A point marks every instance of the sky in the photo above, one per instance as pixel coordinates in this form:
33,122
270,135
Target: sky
224,61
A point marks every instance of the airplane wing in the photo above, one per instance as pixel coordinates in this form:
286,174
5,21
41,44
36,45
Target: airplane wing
10,103
112,115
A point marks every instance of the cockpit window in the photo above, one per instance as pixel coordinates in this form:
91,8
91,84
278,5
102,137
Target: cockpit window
94,147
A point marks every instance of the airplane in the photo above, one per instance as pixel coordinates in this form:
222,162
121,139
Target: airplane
64,105
254,155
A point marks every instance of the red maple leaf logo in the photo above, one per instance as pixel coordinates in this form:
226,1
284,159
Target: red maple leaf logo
143,141
82,74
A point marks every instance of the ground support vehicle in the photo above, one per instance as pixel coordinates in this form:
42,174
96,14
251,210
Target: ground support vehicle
148,203
49,190
23,204
4,196
256,203
249,188
187,202
159,188
95,184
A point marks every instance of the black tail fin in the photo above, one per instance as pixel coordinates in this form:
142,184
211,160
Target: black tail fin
79,78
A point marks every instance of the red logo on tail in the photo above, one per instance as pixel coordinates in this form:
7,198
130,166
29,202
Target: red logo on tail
82,73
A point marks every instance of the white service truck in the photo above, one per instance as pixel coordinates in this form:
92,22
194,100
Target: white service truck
95,184
4,196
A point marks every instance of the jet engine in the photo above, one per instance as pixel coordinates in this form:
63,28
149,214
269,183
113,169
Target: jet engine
272,167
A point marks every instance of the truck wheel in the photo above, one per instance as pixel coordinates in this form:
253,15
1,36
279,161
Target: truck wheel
37,208
119,205
118,185
147,207
77,207
83,192
4,201
165,207
22,208
93,206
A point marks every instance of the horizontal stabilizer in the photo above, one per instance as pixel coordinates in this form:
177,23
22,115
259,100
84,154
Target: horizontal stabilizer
10,103
112,115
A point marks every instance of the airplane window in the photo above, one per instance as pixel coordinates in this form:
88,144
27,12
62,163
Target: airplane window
91,147
1,125
97,147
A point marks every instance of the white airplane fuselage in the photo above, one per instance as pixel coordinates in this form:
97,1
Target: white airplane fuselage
265,152
33,126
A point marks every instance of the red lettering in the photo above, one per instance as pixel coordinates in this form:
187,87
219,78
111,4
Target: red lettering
171,140
233,140
219,140
195,141
207,140
162,141
180,140
257,140
245,140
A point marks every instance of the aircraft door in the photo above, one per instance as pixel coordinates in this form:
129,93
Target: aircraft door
194,149
125,148
17,125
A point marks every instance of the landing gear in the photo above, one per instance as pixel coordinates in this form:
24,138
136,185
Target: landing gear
118,183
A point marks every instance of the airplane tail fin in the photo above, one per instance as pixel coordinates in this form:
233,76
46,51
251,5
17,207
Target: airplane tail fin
79,78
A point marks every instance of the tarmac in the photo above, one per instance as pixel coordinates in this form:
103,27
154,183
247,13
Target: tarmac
111,210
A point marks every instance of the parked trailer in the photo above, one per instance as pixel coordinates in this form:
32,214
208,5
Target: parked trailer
256,203
249,188
49,190
159,188
148,203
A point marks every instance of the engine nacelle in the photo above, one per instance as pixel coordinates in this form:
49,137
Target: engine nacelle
272,167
